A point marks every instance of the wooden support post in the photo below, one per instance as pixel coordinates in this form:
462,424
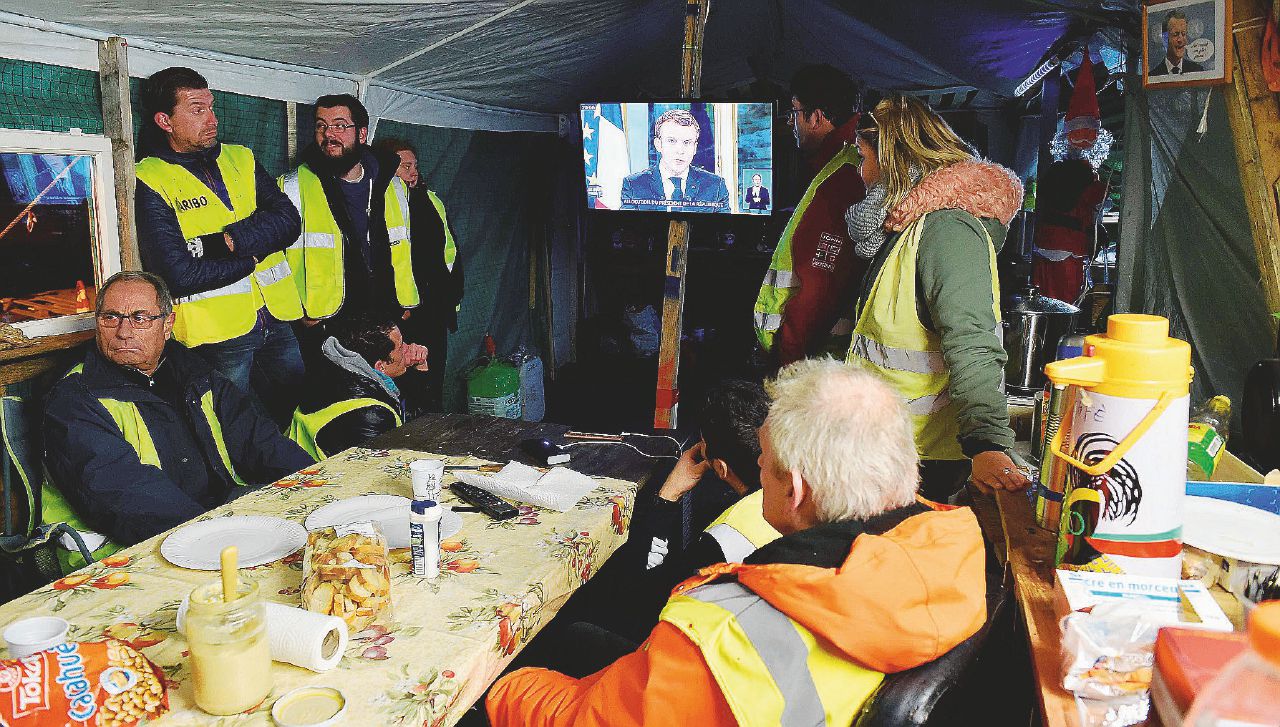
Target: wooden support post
1255,124
291,131
117,121
668,393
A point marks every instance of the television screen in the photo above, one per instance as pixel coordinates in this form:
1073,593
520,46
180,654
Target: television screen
711,157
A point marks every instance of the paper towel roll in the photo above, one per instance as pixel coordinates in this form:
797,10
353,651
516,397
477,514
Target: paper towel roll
297,636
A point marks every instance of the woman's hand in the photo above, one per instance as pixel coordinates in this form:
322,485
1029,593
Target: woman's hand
996,471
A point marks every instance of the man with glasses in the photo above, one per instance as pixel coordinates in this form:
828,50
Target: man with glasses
675,184
808,292
354,253
145,435
213,225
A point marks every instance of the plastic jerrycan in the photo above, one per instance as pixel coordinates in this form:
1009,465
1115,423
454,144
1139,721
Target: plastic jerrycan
1124,439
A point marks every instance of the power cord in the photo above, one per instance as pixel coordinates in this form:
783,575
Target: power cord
673,440
624,444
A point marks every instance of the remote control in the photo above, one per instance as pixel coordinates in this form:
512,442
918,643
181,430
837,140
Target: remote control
489,503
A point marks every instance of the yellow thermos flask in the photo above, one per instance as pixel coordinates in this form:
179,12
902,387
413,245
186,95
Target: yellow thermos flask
1125,442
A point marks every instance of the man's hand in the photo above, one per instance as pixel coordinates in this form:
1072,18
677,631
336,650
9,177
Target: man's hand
231,245
690,468
415,356
405,316
996,471
309,322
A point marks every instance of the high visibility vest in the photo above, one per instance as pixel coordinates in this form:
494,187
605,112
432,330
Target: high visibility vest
890,339
771,670
779,282
232,310
54,507
316,257
450,246
305,428
741,529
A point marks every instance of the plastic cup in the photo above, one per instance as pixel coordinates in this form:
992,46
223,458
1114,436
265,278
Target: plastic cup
32,635
428,478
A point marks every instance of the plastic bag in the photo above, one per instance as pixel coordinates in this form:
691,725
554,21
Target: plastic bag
345,573
98,684
1108,655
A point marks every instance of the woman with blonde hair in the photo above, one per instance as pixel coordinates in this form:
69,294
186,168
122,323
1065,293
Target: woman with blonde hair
928,316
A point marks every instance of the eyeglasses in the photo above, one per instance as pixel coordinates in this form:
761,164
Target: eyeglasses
793,112
322,127
140,321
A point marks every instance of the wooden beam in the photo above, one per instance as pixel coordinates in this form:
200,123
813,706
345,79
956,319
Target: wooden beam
1255,125
291,130
668,393
117,121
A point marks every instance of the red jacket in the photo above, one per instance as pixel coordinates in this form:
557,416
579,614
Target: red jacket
822,257
899,600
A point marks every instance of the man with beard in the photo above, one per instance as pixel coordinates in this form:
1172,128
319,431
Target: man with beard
354,251
213,225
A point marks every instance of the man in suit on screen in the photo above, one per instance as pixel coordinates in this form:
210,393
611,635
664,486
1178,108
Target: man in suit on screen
757,197
675,184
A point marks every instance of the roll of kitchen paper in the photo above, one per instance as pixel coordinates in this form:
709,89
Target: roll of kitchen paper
296,636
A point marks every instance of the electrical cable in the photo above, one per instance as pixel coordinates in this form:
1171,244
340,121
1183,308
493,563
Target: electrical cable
679,447
624,444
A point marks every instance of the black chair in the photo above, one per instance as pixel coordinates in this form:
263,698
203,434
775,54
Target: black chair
28,549
954,688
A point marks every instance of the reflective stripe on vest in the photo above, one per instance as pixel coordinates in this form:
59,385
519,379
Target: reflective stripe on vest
778,285
770,669
305,428
890,339
316,257
741,529
450,245
228,312
133,428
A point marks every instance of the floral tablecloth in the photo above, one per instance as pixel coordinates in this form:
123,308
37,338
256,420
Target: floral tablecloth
446,641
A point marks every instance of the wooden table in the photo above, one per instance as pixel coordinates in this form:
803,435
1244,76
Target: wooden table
447,640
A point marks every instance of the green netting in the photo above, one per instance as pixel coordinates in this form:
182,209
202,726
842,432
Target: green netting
257,123
38,96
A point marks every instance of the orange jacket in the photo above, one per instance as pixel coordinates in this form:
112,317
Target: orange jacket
899,600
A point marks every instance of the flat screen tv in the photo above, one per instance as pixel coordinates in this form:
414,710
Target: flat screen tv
701,157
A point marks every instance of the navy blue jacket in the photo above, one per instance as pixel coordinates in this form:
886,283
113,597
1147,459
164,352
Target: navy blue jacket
100,474
704,192
327,384
273,226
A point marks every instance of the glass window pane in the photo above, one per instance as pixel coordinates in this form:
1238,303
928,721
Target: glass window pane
47,235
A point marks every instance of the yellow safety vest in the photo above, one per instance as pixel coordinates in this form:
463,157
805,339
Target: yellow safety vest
771,670
741,529
317,255
54,507
232,310
450,246
890,339
779,282
305,428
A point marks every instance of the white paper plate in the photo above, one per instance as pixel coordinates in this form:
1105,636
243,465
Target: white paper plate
259,539
1232,530
391,512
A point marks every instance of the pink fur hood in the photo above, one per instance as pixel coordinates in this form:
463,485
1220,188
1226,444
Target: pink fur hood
982,189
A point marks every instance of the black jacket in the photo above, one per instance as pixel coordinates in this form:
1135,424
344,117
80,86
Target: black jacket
364,289
273,226
441,288
100,473
328,383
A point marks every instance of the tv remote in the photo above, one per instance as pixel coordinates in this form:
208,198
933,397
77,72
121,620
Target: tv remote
489,503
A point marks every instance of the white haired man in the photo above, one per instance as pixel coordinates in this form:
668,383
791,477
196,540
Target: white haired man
865,581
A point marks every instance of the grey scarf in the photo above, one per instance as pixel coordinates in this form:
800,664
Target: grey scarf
866,218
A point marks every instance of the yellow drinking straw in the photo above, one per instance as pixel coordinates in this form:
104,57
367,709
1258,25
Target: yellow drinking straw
230,584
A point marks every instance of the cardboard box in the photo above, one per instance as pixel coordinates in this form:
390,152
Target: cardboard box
1183,602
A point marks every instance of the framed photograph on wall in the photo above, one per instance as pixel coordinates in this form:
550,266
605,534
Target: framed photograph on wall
1186,43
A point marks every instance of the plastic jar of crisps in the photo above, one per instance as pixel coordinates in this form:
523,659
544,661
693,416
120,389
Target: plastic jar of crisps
230,657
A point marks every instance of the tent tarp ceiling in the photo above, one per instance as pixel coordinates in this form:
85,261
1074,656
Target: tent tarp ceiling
499,59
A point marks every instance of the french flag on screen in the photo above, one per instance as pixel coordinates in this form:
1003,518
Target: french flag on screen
604,154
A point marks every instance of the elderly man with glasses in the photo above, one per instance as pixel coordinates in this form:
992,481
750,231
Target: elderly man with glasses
144,434
807,295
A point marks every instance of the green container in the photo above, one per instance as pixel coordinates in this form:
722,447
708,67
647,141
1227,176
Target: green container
494,389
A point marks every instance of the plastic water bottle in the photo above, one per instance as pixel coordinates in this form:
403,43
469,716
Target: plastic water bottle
1246,693
1207,437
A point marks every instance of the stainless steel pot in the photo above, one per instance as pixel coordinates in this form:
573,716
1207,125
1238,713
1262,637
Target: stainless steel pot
1032,326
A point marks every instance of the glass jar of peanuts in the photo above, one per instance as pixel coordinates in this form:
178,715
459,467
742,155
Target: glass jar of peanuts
230,657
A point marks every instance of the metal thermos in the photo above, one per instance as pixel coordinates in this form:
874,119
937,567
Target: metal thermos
1033,326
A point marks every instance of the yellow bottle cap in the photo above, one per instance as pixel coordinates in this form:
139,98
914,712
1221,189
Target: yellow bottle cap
1136,358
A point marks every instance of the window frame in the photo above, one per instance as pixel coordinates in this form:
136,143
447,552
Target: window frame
106,244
